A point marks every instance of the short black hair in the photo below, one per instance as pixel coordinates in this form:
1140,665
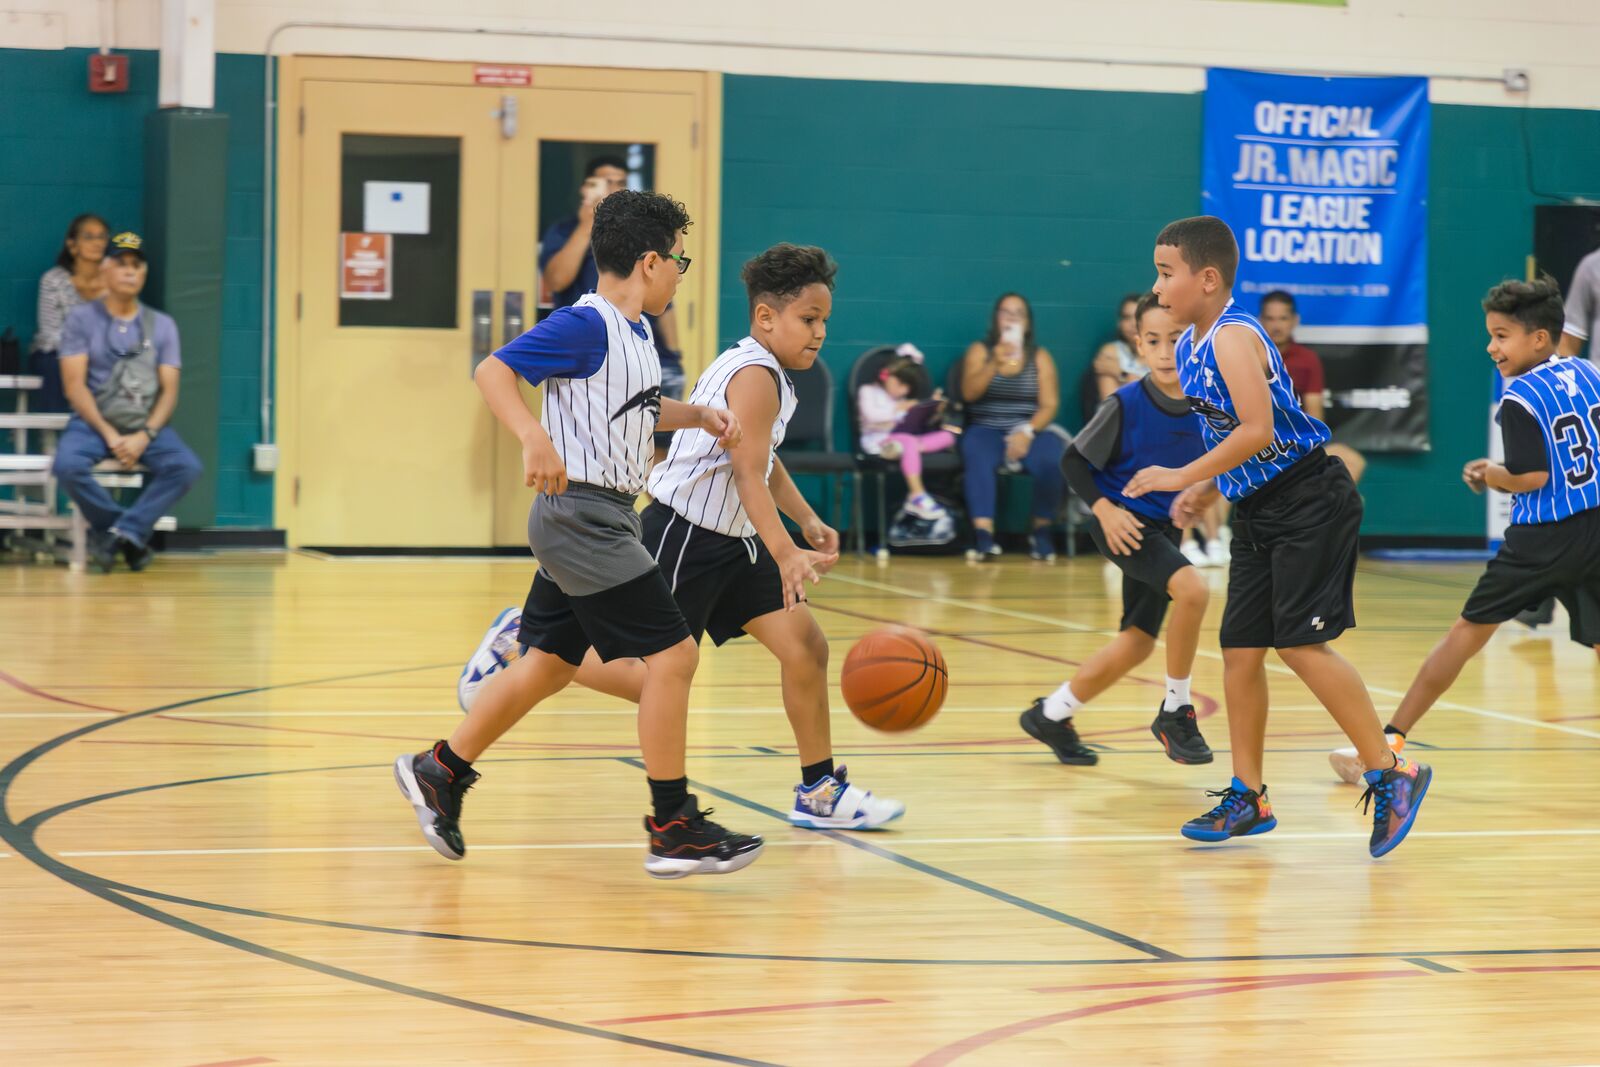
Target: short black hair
605,161
627,224
1280,296
1147,301
782,272
1534,305
1203,241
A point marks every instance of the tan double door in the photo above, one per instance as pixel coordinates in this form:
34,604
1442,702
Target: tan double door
386,441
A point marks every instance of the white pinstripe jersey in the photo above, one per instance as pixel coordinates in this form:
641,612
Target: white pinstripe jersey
601,426
696,478
1563,395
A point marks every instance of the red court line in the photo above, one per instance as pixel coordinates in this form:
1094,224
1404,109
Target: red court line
739,1011
17,683
952,1052
1535,970
1166,982
237,1063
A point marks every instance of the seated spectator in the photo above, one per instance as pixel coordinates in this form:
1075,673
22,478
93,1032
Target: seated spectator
74,280
895,425
1118,363
119,365
1280,317
1009,385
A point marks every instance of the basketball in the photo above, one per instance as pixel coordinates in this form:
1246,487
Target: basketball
894,679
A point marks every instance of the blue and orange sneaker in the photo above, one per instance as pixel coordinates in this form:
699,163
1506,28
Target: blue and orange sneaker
1398,792
1242,812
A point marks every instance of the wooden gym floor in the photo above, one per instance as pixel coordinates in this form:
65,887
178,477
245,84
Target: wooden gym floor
205,859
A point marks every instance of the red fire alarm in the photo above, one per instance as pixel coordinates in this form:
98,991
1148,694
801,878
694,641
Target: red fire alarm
108,73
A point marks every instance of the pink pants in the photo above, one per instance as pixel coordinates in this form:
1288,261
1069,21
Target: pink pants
912,446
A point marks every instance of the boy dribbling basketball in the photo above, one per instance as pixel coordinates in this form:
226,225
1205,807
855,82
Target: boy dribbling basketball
597,587
1296,521
1145,422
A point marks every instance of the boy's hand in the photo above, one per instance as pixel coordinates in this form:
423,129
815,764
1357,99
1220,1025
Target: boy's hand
825,539
542,469
1475,475
1191,504
1156,480
723,425
796,568
1122,529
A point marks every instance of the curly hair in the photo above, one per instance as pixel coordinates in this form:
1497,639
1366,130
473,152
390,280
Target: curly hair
782,272
1534,305
627,224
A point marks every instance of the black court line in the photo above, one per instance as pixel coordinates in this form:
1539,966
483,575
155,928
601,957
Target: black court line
1001,895
22,842
1429,965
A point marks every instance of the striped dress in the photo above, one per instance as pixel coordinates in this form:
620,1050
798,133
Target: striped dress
1008,402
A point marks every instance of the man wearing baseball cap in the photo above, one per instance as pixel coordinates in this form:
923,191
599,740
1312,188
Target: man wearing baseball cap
119,369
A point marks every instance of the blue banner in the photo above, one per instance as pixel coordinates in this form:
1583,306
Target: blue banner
1325,182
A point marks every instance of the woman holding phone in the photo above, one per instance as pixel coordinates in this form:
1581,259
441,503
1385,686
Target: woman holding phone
1009,384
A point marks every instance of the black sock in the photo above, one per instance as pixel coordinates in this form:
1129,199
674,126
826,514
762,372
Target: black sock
1392,730
812,773
452,762
668,797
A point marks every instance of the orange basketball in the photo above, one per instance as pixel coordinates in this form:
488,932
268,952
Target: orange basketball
894,679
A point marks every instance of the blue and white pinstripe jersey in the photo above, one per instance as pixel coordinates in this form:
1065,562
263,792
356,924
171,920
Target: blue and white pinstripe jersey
1563,394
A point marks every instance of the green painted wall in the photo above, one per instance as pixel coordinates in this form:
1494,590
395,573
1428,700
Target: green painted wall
936,198
64,150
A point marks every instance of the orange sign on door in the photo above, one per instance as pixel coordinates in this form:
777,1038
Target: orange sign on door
366,266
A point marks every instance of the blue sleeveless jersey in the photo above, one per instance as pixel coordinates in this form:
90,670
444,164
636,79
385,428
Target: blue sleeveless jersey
1563,394
1294,433
1150,437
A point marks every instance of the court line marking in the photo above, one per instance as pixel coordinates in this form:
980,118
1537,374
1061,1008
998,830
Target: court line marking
816,842
1125,940
757,1010
977,605
567,712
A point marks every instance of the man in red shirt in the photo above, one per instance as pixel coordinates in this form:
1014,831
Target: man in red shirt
1281,318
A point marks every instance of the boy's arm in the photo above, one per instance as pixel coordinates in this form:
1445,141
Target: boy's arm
818,534
1239,358
753,400
723,425
1527,465
542,469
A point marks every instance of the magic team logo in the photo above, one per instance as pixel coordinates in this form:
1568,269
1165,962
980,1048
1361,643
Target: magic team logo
1218,419
648,400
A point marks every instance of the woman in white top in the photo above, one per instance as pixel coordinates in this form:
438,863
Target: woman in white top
74,280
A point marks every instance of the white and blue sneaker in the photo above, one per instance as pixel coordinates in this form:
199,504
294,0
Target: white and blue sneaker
835,804
498,648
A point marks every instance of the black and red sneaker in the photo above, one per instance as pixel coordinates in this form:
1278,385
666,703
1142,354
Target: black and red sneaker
689,843
1059,734
1179,734
435,794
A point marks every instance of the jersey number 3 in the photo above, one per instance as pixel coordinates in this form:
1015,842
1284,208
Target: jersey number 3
1571,433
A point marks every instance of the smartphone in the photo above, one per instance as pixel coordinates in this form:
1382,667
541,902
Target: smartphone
1011,334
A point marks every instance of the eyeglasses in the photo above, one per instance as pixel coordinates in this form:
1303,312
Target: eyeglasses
682,261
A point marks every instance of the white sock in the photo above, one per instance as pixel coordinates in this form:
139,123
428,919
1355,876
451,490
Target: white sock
1177,694
1060,705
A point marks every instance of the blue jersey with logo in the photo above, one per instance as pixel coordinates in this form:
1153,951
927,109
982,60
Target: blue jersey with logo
1563,395
1150,437
1294,433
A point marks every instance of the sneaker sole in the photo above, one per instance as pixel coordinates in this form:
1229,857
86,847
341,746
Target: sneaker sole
464,695
1347,765
406,779
1213,836
1426,774
1071,759
666,868
1178,755
861,822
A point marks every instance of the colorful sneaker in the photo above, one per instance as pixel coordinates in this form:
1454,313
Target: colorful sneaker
1043,545
1058,734
1399,792
435,794
924,506
498,648
689,843
1348,766
1242,812
835,804
1179,734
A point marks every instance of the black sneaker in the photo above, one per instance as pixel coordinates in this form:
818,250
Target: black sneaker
436,795
689,843
1060,736
138,556
1179,734
103,550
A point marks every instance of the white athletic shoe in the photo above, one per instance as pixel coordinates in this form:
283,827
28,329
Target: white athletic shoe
1348,766
835,804
498,648
1218,554
1195,554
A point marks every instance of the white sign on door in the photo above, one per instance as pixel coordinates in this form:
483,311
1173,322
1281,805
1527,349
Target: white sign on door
395,207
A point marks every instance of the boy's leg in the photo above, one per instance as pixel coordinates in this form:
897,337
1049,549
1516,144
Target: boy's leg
506,698
664,710
1244,685
1337,685
621,678
1439,671
1190,596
